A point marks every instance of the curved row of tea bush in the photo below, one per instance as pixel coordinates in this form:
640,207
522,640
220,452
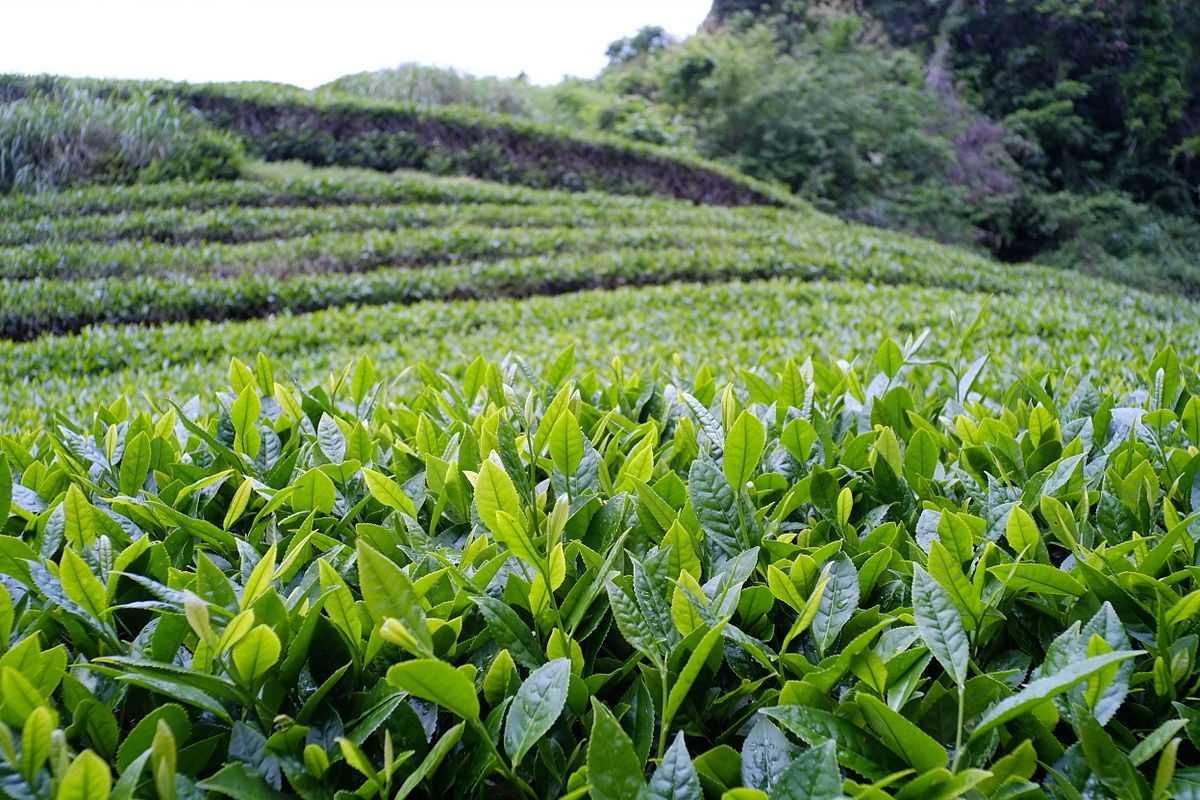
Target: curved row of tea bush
279,252
281,185
733,326
325,277
284,185
285,123
234,224
872,578
351,251
108,278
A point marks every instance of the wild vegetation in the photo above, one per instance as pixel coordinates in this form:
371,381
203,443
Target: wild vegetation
1062,131
79,137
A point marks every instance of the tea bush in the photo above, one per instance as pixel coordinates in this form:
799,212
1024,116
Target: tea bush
279,185
821,580
298,240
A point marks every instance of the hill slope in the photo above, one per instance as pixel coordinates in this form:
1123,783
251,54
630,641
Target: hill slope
295,240
285,123
329,480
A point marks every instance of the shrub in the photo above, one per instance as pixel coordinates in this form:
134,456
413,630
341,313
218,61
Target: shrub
433,87
75,137
520,583
852,128
204,156
1112,235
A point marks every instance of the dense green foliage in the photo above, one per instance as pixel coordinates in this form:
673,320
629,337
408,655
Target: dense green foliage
1109,91
820,580
1068,129
848,127
51,141
300,240
345,483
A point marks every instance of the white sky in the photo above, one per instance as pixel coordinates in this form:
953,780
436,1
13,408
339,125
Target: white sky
307,42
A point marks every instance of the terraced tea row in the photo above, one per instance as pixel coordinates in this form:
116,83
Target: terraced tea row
732,326
456,239
346,252
121,259
311,273
233,224
279,186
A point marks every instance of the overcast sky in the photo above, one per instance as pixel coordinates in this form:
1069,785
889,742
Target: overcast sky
308,43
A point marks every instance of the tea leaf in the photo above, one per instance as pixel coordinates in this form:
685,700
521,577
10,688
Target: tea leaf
813,775
437,682
388,492
836,605
675,777
536,707
88,778
1042,689
743,448
940,625
256,653
613,768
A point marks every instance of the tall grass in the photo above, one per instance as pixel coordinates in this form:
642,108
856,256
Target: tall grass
51,141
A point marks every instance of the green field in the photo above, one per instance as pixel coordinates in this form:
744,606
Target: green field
329,482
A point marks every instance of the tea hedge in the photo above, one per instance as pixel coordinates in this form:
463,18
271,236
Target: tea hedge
59,286
153,254
355,251
172,253
874,579
275,185
292,184
234,224
732,326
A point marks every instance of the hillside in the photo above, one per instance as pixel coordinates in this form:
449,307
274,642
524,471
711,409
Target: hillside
1068,131
280,122
620,476
1062,132
296,240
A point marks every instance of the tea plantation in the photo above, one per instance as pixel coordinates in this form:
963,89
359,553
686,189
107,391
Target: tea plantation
332,483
